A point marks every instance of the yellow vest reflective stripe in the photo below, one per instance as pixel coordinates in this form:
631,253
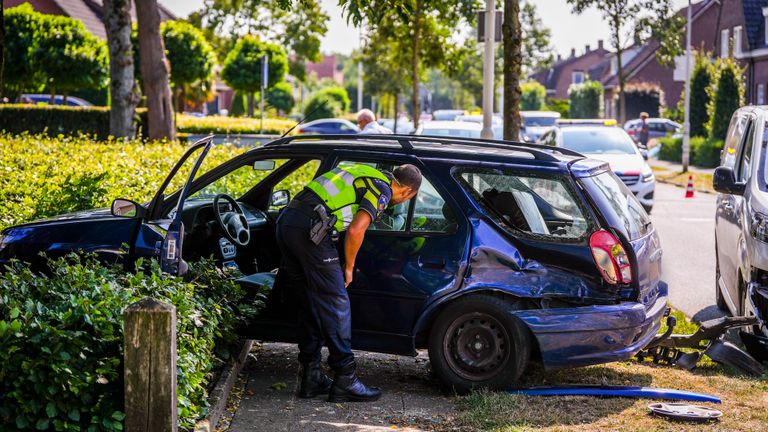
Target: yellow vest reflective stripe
337,190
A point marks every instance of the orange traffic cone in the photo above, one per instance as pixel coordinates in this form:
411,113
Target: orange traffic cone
689,188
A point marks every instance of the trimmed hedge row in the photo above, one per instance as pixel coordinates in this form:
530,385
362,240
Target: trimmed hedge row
56,120
704,152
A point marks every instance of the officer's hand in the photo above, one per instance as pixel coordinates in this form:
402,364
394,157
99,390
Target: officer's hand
348,276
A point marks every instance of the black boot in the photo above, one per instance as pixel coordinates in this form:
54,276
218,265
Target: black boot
313,380
348,388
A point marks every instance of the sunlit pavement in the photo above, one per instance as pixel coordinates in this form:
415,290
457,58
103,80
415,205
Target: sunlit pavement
687,230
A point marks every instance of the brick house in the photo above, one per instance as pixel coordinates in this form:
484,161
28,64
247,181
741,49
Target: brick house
571,70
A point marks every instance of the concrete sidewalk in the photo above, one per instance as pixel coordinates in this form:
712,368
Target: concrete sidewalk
411,400
674,166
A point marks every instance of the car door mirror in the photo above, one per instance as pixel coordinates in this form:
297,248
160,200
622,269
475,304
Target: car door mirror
128,209
724,181
280,198
644,152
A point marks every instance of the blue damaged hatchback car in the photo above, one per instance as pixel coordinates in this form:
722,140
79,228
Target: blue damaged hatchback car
509,253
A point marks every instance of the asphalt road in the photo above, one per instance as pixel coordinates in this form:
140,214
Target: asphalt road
686,227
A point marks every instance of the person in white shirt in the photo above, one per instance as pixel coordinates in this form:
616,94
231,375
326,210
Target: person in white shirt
366,119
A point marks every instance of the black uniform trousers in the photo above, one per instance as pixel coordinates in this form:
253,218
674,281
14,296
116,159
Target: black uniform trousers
313,274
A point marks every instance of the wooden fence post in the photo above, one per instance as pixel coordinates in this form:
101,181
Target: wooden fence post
150,367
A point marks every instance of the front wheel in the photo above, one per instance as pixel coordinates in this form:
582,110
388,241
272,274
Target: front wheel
477,342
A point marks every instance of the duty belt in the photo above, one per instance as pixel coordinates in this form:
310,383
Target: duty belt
321,228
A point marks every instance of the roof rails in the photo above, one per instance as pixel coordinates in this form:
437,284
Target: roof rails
539,152
597,121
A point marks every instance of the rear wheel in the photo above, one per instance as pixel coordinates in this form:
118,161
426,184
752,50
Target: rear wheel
477,342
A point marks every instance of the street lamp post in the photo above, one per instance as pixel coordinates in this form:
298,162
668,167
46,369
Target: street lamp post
488,69
687,121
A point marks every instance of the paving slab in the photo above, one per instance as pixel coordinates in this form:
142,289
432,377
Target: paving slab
411,401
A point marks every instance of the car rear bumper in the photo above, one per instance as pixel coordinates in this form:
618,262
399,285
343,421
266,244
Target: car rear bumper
581,336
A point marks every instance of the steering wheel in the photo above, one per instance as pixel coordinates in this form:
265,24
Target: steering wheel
233,223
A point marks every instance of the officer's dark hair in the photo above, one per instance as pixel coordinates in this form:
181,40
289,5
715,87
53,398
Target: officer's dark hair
408,175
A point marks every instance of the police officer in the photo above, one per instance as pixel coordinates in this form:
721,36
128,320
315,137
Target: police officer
355,195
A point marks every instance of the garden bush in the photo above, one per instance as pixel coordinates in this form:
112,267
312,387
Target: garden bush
562,106
61,339
533,97
703,152
230,125
586,100
56,119
725,98
339,94
321,106
671,149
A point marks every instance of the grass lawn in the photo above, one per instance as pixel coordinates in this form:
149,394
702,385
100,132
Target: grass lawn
701,181
744,407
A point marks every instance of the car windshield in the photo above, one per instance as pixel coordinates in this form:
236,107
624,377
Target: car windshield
539,121
607,140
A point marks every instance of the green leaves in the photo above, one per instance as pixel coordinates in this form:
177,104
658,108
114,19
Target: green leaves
242,67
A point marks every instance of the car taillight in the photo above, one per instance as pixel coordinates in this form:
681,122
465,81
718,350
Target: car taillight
631,132
611,258
300,131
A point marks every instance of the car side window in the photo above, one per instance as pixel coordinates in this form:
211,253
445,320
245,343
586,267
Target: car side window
744,164
298,178
533,205
430,214
733,139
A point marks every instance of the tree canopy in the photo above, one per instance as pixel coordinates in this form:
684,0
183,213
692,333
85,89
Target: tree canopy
191,56
21,23
242,67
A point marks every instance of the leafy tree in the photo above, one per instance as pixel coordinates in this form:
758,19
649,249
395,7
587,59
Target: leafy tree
21,24
69,55
296,25
280,96
701,83
534,96
538,53
631,22
725,98
339,94
191,57
242,68
237,108
420,29
122,83
321,106
586,100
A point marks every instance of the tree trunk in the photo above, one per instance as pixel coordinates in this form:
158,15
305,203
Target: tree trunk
154,71
415,65
117,22
250,101
619,69
513,61
64,95
52,101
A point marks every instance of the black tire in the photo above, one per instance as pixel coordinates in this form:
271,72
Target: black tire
500,345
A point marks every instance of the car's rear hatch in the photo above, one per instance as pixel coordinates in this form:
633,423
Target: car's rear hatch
623,214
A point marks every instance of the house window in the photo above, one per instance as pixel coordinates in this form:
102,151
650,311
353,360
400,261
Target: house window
577,77
765,19
737,41
724,43
761,94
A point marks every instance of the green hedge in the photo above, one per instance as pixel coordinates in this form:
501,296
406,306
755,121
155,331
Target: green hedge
61,120
61,340
704,152
586,100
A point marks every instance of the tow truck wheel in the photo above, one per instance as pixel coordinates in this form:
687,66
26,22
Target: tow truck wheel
477,342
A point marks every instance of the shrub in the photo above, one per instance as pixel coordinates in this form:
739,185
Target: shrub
230,125
58,119
701,84
321,106
586,100
339,95
672,149
707,152
280,96
61,340
55,175
728,96
562,106
533,96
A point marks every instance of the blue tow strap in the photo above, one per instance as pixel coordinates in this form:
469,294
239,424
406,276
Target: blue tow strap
617,391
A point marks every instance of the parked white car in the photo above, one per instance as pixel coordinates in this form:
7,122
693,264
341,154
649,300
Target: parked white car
613,145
